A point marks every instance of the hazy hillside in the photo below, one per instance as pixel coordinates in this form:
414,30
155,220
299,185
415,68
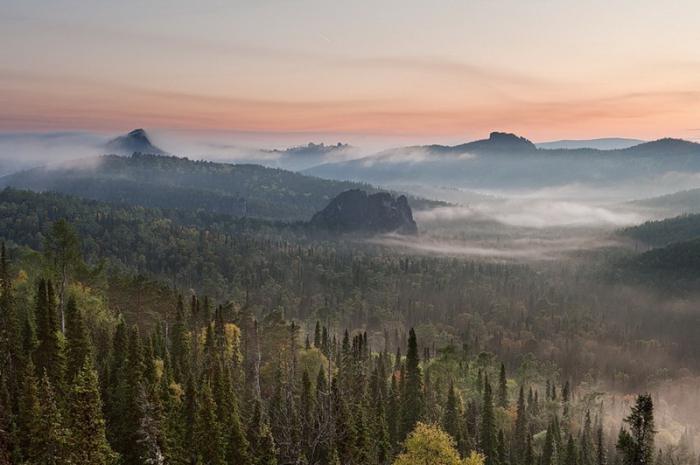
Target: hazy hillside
506,161
171,182
665,232
687,201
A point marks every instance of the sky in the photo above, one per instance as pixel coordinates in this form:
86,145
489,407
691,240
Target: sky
410,70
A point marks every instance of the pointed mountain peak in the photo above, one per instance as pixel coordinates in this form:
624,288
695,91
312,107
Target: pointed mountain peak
135,141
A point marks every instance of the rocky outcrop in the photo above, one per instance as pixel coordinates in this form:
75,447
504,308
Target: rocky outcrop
355,211
136,141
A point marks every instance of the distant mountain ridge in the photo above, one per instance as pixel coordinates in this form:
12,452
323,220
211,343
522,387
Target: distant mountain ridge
605,143
508,161
160,181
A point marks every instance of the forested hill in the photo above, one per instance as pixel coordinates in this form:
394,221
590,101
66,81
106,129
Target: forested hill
664,232
674,260
172,182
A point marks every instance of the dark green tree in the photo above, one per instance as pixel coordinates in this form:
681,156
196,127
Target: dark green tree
637,444
208,440
452,415
412,399
488,426
88,442
78,344
502,388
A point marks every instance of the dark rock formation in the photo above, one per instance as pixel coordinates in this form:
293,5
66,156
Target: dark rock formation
355,211
136,141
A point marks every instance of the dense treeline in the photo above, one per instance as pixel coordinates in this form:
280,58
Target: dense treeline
218,386
664,232
548,312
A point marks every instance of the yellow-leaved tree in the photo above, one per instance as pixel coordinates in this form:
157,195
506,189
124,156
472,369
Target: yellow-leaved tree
430,445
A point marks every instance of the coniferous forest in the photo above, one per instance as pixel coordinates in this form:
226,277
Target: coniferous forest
144,336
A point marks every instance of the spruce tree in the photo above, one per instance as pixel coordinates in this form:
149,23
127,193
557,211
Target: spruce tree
488,426
77,340
208,441
53,436
452,415
412,400
520,434
29,415
88,443
502,388
637,444
586,446
571,456
49,355
317,335
600,446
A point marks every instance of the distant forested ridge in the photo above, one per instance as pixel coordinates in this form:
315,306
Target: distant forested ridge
172,182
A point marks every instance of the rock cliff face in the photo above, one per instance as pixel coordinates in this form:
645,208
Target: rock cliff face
355,211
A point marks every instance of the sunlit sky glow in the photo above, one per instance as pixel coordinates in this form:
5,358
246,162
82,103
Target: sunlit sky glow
441,71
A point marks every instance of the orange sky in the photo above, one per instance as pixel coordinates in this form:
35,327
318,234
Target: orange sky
447,71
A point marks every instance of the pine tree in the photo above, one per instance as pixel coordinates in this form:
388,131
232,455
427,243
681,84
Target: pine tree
88,442
488,426
502,388
412,400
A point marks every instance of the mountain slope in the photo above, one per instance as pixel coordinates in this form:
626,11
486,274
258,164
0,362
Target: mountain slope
665,232
171,182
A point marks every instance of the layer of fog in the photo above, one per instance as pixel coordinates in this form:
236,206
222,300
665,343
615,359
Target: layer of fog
516,249
19,151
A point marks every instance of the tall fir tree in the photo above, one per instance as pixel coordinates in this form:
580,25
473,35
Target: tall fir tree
53,436
637,444
520,434
502,388
208,441
488,426
88,443
412,399
452,415
78,344
29,415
